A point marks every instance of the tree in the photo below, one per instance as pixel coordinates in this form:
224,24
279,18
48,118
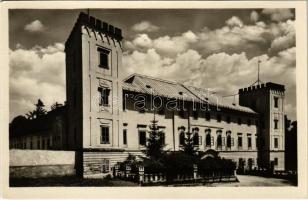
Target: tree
56,105
189,147
155,145
39,110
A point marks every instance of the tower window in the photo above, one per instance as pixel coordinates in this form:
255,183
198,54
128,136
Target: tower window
276,142
276,102
104,96
104,134
125,136
103,58
276,123
142,138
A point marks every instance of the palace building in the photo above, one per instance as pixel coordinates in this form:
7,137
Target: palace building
109,115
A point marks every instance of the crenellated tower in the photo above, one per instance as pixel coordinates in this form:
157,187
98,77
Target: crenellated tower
93,85
268,100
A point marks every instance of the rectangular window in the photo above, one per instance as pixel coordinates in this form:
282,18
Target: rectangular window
239,121
240,142
219,118
248,122
43,144
48,143
105,135
182,113
142,138
275,161
125,136
105,166
195,114
276,102
276,144
162,138
276,123
249,142
104,96
208,116
38,143
228,119
103,58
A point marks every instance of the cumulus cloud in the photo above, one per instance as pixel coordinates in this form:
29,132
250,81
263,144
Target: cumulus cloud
36,73
234,21
254,16
226,73
278,14
34,26
145,26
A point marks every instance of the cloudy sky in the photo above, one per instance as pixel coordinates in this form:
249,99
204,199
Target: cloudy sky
217,49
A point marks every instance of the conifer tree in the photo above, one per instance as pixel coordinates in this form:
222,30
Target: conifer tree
154,147
189,148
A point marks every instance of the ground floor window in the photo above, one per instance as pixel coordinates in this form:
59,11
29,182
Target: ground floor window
276,142
275,161
105,166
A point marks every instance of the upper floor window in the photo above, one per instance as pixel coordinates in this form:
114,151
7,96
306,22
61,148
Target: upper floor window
196,136
276,102
208,116
142,138
104,96
228,119
208,138
103,58
249,142
276,123
276,142
105,135
229,141
195,114
182,137
182,113
240,142
162,138
239,121
218,117
124,136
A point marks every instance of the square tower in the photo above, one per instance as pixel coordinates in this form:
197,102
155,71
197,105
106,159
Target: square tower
268,100
93,84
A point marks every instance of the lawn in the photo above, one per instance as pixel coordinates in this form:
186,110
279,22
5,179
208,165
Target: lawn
69,181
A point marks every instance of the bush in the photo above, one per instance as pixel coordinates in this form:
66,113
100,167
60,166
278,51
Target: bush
210,166
178,163
132,162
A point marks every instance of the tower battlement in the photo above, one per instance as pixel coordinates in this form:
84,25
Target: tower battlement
97,25
263,86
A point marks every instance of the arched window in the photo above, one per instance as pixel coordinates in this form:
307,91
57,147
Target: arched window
228,140
182,137
208,137
219,140
196,136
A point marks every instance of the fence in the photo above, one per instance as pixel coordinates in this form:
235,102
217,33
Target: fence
161,178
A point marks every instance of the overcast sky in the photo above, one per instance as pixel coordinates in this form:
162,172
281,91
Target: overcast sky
217,49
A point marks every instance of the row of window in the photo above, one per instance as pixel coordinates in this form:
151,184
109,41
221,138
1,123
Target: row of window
227,141
40,144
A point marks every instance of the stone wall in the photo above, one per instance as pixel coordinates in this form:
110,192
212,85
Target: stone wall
41,163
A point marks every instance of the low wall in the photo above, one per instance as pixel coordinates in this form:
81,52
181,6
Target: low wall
41,163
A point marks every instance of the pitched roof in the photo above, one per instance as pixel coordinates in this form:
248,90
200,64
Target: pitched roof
170,89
